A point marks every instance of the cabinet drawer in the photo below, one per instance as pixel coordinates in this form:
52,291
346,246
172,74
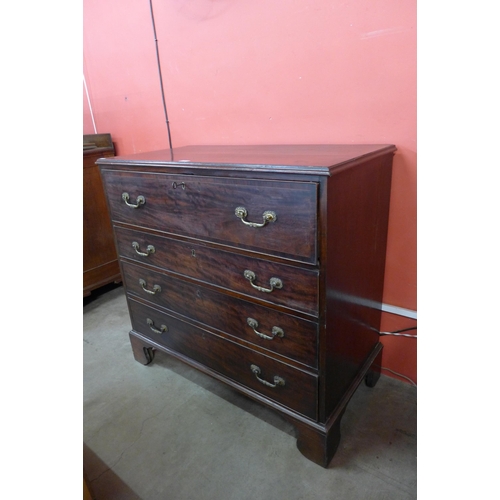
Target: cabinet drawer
284,334
294,388
206,207
296,290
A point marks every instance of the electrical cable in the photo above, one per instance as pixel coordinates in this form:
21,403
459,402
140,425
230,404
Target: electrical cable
159,72
399,375
400,334
90,105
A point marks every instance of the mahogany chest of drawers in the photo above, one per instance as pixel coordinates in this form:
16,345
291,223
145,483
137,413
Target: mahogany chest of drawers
262,266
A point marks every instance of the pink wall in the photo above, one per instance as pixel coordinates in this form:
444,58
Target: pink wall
286,71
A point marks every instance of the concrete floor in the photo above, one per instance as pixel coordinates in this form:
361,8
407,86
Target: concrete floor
168,432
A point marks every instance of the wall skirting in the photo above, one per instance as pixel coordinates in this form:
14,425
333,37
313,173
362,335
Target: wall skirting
400,311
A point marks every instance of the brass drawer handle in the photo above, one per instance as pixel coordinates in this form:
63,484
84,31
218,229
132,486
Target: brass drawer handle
274,282
156,288
140,200
181,184
149,250
151,324
276,330
278,381
267,216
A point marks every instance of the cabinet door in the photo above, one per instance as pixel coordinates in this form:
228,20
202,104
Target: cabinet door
100,264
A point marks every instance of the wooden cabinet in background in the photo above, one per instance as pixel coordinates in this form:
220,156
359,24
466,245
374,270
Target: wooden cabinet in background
100,263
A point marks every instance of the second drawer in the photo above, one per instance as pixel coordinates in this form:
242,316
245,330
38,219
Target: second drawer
299,286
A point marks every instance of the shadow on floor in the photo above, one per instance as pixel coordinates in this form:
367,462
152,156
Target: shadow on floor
114,484
224,392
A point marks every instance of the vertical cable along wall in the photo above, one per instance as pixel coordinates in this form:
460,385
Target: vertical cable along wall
90,105
159,73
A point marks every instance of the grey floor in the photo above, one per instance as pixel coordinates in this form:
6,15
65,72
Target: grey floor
168,432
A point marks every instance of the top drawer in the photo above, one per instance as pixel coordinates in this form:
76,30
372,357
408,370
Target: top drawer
275,217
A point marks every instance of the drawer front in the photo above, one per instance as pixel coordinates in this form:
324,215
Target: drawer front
297,289
294,388
205,208
277,332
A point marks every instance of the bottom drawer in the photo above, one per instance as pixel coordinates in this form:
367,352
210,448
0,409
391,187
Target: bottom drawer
276,380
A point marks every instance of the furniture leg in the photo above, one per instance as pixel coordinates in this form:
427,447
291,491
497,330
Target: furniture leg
318,444
143,353
373,373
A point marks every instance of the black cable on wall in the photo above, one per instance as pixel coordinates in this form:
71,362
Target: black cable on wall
159,72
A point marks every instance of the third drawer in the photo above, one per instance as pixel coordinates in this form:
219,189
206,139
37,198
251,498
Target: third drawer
285,334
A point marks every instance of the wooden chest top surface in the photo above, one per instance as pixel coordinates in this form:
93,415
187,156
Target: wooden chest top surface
312,158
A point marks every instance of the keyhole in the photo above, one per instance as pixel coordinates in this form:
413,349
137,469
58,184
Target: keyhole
193,253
